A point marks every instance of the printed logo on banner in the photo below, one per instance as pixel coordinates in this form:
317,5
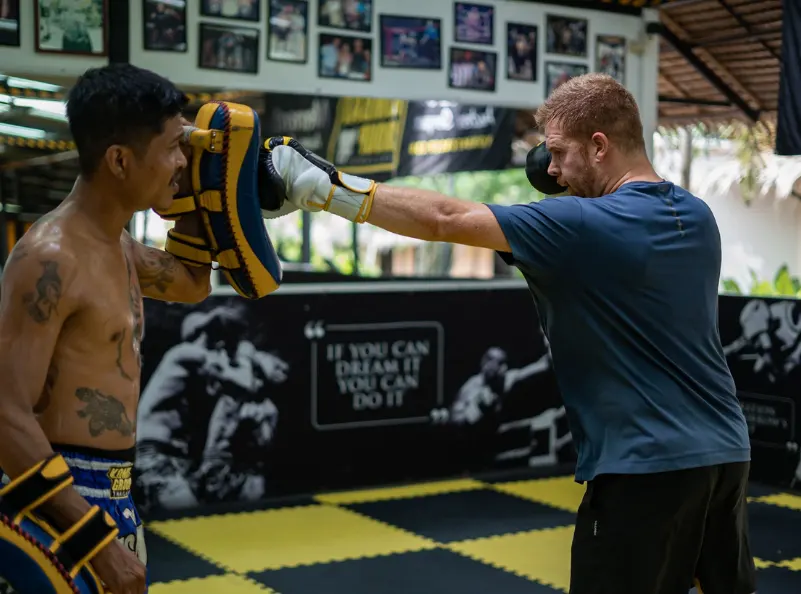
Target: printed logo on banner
770,419
375,374
367,134
306,119
445,137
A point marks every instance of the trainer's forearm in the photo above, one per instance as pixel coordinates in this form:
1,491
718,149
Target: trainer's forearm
22,447
412,212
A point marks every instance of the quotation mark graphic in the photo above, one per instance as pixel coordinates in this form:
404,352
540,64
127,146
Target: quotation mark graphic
314,330
440,415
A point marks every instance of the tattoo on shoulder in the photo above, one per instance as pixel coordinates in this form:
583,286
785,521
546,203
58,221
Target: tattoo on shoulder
156,269
104,413
43,301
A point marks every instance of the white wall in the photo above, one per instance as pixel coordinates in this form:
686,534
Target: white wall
760,235
395,83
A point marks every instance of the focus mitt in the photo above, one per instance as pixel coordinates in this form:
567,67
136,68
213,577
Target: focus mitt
309,182
537,162
226,190
34,556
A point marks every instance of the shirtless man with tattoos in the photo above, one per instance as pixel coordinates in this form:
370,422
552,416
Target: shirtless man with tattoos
71,319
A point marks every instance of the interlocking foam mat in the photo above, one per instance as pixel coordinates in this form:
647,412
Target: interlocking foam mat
460,536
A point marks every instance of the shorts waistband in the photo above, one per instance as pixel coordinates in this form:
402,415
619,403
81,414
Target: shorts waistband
97,474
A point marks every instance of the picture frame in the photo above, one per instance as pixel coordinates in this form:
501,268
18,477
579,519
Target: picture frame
557,73
336,14
473,23
164,26
244,10
409,42
346,57
566,36
473,70
9,23
288,31
228,48
521,52
71,31
610,56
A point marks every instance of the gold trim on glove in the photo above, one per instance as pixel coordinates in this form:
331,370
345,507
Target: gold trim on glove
193,251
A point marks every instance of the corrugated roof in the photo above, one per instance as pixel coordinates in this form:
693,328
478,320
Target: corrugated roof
719,60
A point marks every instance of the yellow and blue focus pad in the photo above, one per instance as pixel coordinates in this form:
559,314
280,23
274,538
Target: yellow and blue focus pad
537,162
35,557
226,141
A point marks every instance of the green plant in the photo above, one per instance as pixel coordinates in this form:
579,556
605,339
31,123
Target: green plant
782,285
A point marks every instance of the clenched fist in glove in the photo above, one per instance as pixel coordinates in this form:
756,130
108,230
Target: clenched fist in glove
289,173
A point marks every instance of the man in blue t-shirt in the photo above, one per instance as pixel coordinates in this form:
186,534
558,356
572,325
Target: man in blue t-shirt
624,273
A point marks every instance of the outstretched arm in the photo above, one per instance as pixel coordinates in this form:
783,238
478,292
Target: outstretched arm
430,216
163,276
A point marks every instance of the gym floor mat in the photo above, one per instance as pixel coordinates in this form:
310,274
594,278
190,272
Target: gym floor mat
449,537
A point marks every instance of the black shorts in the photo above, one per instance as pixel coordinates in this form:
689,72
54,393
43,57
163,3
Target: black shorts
659,533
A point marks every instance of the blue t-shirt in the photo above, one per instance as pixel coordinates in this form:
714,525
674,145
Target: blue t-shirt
626,287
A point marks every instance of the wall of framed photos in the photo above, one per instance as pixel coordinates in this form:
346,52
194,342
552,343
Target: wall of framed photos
37,42
484,52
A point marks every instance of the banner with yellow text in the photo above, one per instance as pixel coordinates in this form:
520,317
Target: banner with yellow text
446,137
366,136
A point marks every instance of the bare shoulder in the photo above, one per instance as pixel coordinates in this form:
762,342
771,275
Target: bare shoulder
40,272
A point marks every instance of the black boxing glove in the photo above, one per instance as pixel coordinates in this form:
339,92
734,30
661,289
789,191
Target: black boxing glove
537,162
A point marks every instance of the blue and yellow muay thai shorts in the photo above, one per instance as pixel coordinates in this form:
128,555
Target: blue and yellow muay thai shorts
35,557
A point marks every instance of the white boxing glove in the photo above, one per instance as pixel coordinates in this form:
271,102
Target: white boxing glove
302,178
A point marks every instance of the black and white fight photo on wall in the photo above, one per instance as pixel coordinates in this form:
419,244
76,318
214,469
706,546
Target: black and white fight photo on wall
762,342
295,392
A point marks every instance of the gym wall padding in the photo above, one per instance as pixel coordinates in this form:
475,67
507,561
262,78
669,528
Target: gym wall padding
357,384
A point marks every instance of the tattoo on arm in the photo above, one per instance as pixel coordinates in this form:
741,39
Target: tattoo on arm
104,413
42,302
156,269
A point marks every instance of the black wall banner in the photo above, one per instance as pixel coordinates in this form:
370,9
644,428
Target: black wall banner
788,127
762,341
307,118
445,137
300,392
385,138
367,136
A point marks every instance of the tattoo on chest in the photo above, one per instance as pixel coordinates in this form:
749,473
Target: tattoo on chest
135,305
43,301
104,413
47,392
156,270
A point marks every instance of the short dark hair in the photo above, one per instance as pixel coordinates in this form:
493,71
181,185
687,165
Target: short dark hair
118,104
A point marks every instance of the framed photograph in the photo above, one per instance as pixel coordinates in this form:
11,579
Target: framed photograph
473,23
472,69
345,56
164,23
521,52
352,15
411,42
9,23
557,73
288,31
610,56
566,36
235,49
77,28
241,10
